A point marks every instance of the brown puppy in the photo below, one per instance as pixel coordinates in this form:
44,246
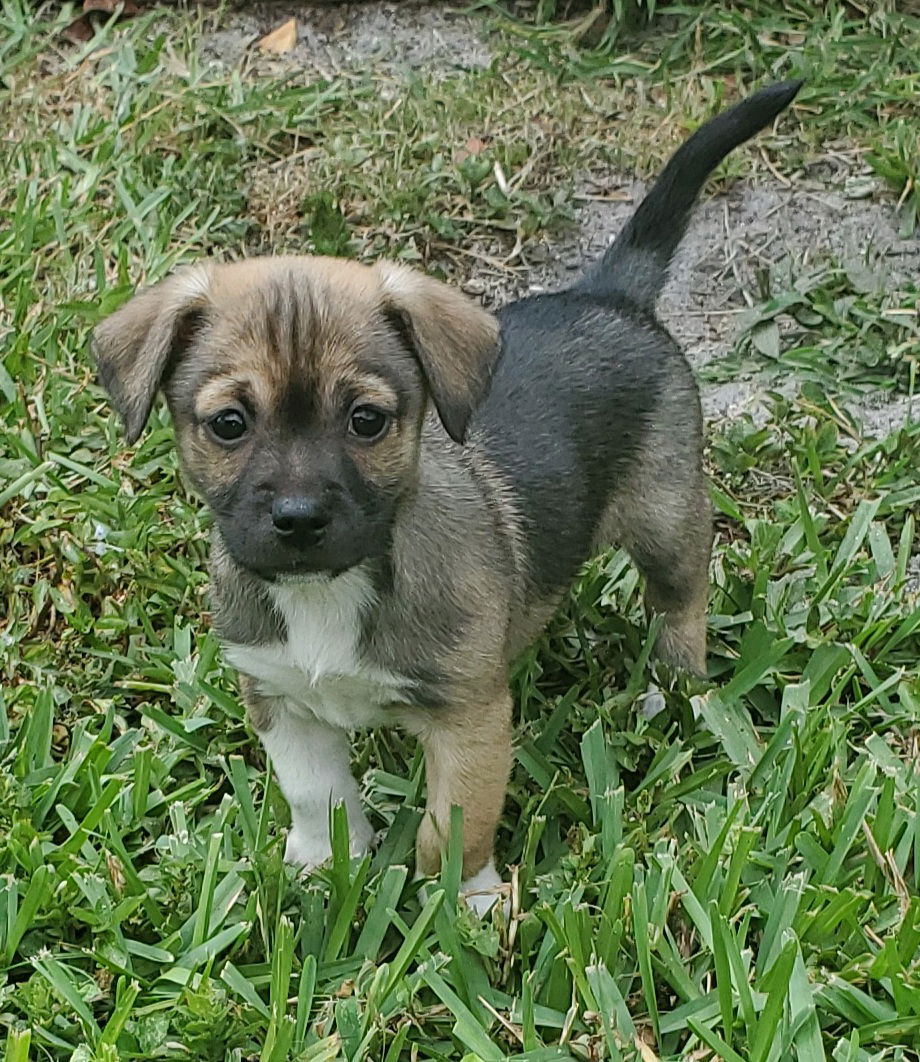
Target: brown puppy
377,563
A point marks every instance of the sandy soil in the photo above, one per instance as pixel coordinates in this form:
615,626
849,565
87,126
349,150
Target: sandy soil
337,38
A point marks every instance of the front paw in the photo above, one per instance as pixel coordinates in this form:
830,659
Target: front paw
361,836
309,849
484,890
306,850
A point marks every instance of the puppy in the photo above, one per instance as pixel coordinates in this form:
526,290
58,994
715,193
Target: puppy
404,486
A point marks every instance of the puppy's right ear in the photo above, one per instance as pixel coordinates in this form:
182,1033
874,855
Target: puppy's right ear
137,348
455,341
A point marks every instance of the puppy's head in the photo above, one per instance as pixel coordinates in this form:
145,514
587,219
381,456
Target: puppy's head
298,388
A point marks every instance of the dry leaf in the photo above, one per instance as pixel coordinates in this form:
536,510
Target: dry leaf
280,40
116,873
646,1053
79,31
108,7
60,737
500,179
474,146
82,28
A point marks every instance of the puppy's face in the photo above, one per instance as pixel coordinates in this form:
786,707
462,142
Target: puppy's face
298,389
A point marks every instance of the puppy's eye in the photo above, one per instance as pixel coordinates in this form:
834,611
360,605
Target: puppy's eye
229,425
368,423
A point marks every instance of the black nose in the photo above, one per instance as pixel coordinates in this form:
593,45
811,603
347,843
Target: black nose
299,518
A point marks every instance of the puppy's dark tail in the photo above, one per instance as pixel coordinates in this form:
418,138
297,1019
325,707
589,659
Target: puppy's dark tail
635,265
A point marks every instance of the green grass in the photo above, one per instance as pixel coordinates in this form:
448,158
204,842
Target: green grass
735,878
846,328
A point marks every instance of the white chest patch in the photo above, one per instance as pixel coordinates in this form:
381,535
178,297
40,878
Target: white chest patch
319,668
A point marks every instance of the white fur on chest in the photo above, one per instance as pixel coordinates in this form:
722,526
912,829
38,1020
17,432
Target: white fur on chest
318,668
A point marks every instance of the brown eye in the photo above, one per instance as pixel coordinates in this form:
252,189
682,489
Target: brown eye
368,423
228,426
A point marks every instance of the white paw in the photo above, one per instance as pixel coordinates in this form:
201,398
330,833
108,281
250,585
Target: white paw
484,890
307,850
362,836
310,848
653,702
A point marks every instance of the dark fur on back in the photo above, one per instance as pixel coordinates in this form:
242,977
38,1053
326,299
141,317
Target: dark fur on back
579,390
555,421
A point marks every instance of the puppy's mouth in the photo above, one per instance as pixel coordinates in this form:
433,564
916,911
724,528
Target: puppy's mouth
295,573
276,562
293,576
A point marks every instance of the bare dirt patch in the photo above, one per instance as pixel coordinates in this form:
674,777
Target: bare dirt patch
342,38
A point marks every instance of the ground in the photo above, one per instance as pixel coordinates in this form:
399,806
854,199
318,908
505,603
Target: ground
735,877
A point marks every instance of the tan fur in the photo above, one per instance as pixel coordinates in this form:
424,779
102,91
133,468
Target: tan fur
661,514
467,761
265,335
259,709
457,343
134,346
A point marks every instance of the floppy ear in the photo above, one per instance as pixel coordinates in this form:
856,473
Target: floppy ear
455,341
138,346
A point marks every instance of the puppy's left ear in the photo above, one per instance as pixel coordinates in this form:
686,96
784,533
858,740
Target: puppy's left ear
139,345
455,341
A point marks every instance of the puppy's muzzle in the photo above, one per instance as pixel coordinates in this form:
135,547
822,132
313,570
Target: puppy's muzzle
300,520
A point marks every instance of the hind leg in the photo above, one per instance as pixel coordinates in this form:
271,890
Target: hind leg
671,546
665,522
677,589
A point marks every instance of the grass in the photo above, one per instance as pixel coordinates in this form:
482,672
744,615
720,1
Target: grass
737,877
840,325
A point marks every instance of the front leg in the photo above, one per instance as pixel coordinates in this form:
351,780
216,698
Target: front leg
311,761
467,764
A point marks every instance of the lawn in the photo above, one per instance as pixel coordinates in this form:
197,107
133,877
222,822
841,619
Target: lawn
735,878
